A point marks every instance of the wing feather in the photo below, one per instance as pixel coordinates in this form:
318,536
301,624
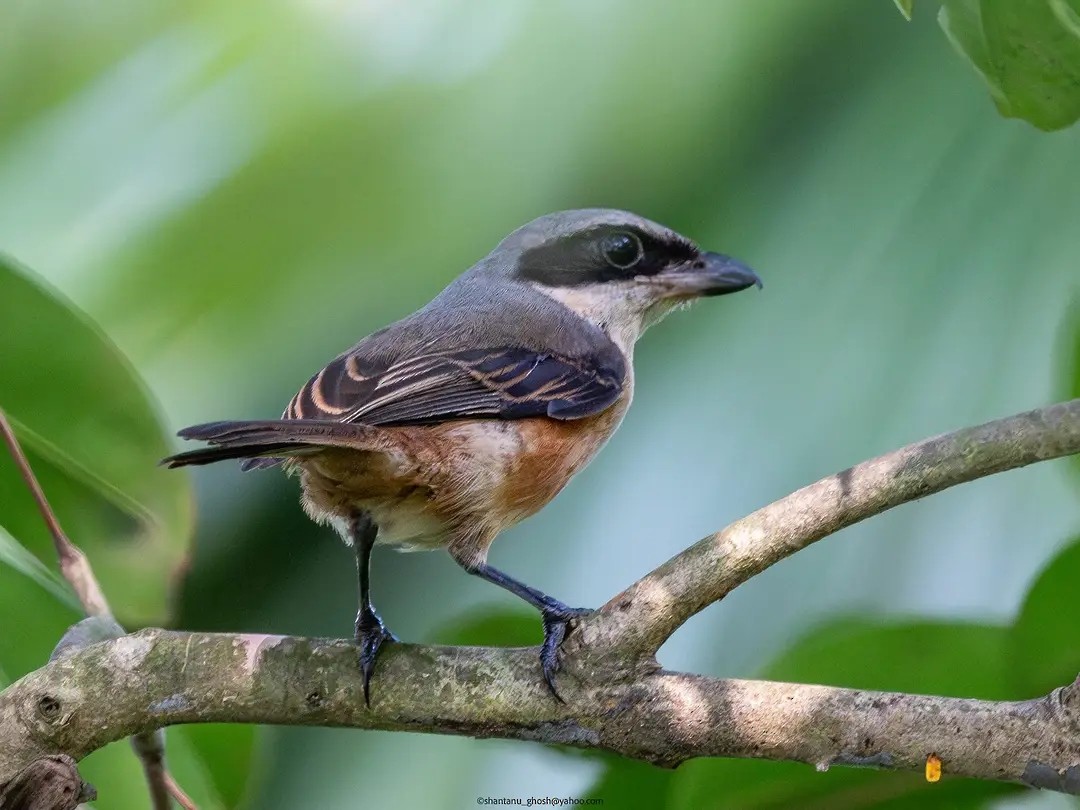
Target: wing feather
505,383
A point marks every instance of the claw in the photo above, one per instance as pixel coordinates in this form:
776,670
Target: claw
557,626
370,636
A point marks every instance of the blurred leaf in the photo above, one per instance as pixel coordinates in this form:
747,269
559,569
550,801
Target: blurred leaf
1028,51
94,439
906,8
34,621
626,783
923,657
117,774
1045,649
1074,391
226,752
494,626
1072,357
758,784
14,555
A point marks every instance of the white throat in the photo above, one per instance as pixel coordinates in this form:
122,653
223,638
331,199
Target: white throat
614,309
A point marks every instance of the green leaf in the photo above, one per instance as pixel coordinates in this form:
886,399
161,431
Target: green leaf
626,783
226,754
492,626
1027,51
907,7
924,657
14,555
1074,375
117,774
1045,648
94,439
736,784
1071,370
34,620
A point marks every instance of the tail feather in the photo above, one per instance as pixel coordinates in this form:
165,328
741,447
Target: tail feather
250,456
263,443
260,463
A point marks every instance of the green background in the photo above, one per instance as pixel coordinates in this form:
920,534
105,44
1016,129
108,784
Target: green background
235,192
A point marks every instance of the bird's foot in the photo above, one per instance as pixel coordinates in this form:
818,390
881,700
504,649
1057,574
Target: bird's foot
557,626
370,635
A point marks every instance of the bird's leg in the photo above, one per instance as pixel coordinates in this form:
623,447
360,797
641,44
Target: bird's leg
556,616
370,632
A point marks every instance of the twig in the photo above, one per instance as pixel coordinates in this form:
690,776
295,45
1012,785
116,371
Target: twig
73,563
150,748
75,568
177,793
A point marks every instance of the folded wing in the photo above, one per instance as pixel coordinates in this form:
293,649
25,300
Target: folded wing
503,383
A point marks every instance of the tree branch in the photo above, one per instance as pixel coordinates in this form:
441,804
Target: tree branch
156,677
617,697
641,618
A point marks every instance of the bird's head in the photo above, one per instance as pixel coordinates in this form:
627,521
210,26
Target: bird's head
616,269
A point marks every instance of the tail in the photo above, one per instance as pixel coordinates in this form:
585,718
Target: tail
263,443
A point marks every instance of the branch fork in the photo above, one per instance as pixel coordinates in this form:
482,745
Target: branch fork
617,697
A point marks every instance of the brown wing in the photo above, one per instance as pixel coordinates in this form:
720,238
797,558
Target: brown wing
504,383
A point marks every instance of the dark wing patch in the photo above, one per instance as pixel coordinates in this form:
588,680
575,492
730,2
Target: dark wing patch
507,383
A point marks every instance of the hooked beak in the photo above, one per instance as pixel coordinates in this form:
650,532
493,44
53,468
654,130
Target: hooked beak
711,274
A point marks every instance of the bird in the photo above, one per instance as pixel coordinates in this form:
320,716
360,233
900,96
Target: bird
449,426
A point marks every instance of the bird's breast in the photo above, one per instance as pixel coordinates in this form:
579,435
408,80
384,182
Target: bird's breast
455,480
551,453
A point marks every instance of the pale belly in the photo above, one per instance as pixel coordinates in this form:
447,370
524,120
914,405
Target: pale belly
407,524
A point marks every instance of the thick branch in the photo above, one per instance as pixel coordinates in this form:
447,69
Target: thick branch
137,683
643,617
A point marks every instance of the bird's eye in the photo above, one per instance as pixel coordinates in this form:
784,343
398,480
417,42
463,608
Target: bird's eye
622,250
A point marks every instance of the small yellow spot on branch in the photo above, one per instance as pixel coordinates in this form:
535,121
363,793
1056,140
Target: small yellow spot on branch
933,768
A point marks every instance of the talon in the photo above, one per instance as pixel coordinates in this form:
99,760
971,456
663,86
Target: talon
557,626
370,636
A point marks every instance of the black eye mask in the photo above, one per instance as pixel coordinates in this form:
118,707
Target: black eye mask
599,255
